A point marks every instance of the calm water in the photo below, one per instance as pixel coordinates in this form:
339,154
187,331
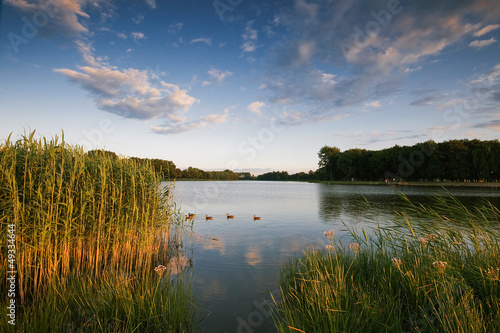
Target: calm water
236,263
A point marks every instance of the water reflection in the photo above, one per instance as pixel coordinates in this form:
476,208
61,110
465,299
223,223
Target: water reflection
379,204
236,262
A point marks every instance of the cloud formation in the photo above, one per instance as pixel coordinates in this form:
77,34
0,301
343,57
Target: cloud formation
207,41
256,107
250,37
482,43
367,48
486,30
130,93
63,15
169,128
217,76
137,36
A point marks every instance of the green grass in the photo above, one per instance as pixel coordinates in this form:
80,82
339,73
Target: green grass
436,271
90,229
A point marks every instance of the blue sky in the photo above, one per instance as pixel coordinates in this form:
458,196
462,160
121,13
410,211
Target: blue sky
249,85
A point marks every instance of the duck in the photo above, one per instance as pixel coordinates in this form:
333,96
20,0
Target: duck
230,216
256,217
190,217
208,217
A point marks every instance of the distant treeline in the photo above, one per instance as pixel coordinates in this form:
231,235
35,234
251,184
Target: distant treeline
168,169
454,160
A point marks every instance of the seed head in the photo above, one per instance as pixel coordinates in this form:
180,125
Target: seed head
355,247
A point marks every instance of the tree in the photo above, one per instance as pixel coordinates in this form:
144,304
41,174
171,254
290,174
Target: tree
328,161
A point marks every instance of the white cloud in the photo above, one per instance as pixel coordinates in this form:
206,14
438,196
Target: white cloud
207,41
256,107
121,35
129,92
486,30
137,36
482,43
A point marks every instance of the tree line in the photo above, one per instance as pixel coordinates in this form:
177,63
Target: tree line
168,169
453,160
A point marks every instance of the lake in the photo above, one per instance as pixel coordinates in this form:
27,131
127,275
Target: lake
236,263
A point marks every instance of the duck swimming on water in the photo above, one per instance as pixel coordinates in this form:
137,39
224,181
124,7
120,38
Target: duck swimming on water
230,216
208,217
256,217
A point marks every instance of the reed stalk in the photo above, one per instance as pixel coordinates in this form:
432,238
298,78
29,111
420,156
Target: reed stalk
85,222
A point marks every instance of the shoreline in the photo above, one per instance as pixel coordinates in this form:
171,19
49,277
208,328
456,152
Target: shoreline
492,185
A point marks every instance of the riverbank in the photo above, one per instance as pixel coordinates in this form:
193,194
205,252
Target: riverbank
442,276
493,185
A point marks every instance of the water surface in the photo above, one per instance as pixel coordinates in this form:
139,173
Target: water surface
236,263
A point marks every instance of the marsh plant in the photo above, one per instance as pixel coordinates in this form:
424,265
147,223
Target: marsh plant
90,230
435,270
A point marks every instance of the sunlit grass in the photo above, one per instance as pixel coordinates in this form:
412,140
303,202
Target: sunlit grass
436,271
90,229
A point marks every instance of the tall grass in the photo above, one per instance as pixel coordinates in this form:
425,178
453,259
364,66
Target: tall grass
89,230
436,270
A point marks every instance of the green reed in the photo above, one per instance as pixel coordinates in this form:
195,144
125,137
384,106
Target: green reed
89,228
436,270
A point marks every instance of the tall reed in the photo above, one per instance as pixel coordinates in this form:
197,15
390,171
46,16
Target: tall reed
435,270
83,223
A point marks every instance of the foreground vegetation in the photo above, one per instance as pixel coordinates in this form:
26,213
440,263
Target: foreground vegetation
89,230
441,275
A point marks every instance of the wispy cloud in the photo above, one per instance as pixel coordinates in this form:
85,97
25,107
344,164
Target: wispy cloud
482,43
138,19
217,76
373,104
175,28
486,30
151,3
207,41
492,124
171,128
250,37
331,37
411,70
451,103
424,97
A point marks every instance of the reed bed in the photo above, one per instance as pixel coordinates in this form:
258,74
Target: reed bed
435,270
89,229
